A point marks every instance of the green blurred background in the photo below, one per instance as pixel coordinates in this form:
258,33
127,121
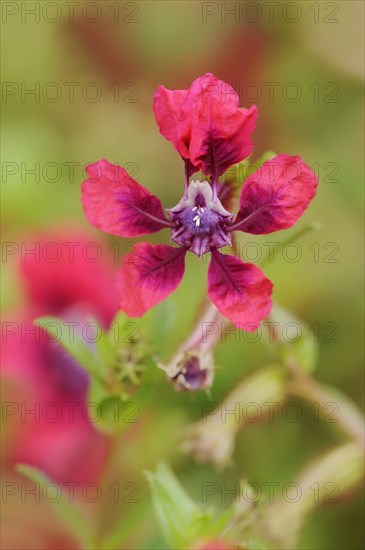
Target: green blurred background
310,56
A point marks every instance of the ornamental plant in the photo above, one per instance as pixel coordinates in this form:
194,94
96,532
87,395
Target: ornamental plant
211,133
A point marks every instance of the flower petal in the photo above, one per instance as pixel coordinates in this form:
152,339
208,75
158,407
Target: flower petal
205,124
148,275
167,108
221,131
240,291
114,202
275,196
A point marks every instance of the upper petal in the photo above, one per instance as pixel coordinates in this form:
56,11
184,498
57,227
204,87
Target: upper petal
276,195
148,275
240,291
221,131
173,126
114,202
205,124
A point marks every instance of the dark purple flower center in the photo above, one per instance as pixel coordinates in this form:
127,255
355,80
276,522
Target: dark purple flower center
201,221
191,375
195,376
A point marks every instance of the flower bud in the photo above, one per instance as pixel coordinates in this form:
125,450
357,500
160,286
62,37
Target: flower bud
191,370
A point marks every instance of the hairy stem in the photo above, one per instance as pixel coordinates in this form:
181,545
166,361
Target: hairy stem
209,315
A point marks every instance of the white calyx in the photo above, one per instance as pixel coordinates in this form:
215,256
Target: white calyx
201,206
199,188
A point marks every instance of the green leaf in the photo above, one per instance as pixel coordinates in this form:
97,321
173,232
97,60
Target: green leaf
97,391
181,521
174,508
66,511
105,349
114,540
74,346
117,414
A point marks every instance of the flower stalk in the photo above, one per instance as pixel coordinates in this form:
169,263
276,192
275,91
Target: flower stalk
193,365
304,385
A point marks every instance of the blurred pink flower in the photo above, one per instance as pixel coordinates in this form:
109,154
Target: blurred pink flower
47,424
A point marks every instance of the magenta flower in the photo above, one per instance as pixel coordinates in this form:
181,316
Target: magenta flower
44,378
211,133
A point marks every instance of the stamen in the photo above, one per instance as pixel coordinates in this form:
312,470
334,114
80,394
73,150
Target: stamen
195,208
196,218
197,223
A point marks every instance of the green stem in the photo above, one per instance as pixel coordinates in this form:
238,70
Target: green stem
113,442
306,386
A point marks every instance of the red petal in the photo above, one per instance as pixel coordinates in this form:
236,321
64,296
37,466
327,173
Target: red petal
221,131
240,291
114,202
148,275
167,108
276,195
205,124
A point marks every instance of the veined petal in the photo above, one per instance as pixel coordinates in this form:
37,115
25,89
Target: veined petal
275,196
167,108
114,202
221,131
205,124
240,290
148,275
